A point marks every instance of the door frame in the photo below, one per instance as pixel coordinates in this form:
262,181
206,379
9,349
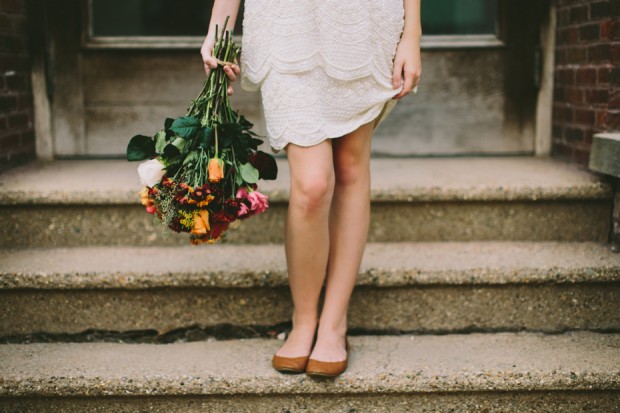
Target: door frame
59,101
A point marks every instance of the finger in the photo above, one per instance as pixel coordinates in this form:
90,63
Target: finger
397,74
409,74
231,75
236,69
209,63
230,90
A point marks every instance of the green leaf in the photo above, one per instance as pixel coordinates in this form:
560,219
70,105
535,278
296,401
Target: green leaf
238,179
171,154
140,147
180,143
205,137
160,141
192,157
185,126
249,173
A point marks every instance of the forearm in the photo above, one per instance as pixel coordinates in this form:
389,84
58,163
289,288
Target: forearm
221,9
413,25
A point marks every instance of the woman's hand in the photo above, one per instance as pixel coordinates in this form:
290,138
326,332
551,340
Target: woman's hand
407,66
210,63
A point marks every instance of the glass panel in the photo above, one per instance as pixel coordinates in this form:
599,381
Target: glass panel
117,18
458,17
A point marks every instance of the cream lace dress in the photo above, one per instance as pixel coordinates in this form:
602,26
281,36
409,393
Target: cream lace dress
324,67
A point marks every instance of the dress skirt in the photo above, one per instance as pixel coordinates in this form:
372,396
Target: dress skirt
324,67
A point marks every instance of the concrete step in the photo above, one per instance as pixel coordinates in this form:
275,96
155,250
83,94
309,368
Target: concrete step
95,202
411,287
516,372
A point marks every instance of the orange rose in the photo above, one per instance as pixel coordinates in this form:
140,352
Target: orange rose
144,196
201,222
216,170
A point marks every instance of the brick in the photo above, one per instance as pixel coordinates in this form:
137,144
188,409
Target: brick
8,103
586,76
600,10
11,6
615,8
20,121
561,150
596,96
614,99
560,57
581,156
10,142
573,134
562,114
24,101
563,18
576,55
14,45
599,53
6,22
18,82
615,53
558,94
603,75
574,95
614,75
612,120
601,119
557,131
610,29
590,32
583,116
578,14
18,64
565,76
568,36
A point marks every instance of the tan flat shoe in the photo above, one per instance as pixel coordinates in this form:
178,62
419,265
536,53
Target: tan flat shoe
291,364
318,368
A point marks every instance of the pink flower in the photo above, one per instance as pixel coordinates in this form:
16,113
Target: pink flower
258,202
242,193
243,210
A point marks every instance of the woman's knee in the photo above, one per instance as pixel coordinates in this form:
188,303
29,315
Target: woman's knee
351,168
313,192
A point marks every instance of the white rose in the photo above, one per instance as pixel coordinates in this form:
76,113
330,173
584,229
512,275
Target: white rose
151,172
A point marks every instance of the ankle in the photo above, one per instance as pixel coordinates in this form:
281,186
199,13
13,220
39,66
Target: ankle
304,321
339,329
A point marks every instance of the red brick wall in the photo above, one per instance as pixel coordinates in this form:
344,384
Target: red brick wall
586,90
17,142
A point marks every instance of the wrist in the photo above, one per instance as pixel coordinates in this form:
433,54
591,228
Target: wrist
412,35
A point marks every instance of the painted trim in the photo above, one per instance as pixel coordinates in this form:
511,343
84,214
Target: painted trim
544,102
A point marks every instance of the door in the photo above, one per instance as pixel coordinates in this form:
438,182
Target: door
119,67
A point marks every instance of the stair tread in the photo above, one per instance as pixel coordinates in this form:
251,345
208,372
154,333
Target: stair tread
377,364
116,181
231,265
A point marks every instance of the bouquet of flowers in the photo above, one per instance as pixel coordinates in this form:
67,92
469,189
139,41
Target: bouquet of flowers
200,171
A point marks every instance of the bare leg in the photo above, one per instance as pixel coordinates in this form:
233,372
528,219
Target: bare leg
307,239
349,222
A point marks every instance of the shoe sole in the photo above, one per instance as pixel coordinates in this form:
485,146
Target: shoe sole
323,374
290,371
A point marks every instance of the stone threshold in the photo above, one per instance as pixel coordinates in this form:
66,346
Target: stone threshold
498,362
383,265
495,178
